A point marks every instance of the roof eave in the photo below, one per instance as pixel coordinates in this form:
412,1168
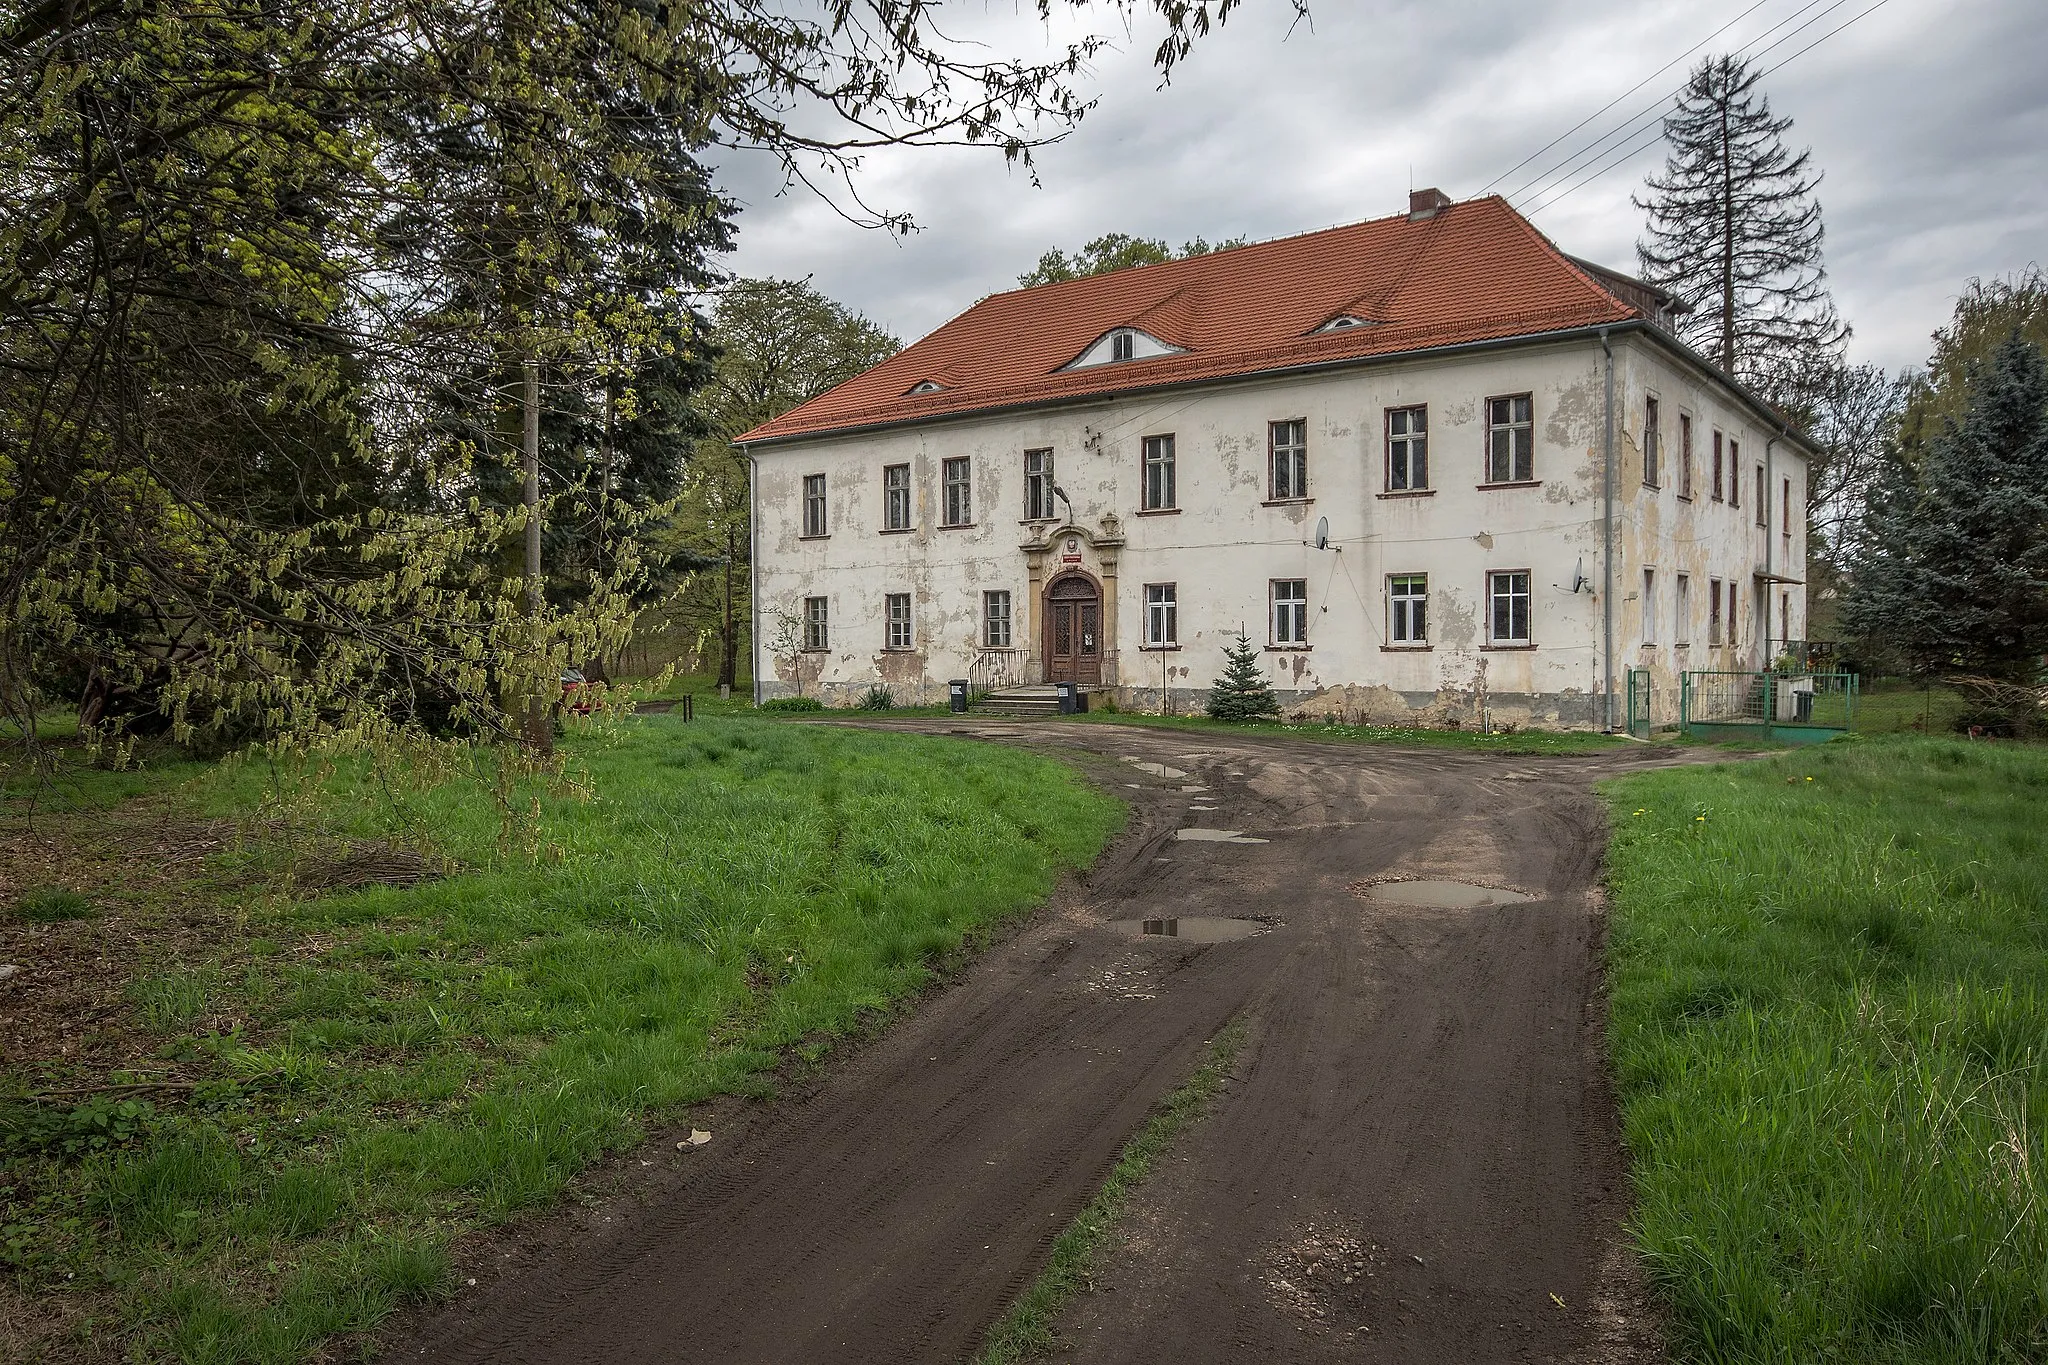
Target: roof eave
1278,372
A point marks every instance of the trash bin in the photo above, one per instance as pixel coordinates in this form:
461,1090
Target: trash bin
1802,706
956,694
1069,698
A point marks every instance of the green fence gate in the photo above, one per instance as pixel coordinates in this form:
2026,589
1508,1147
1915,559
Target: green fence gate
1792,707
1639,702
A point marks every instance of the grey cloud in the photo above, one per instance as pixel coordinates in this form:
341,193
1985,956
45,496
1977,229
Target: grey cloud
1929,119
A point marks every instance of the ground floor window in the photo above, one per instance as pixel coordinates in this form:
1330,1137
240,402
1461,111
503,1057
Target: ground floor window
995,620
1713,611
1682,624
1507,598
1408,609
898,612
1162,626
1290,611
814,623
1649,606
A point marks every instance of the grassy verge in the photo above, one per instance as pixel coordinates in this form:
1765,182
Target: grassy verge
1829,974
1401,736
329,1088
1025,1332
1893,707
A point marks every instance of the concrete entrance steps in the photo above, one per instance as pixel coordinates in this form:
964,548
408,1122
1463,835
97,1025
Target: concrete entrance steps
1024,701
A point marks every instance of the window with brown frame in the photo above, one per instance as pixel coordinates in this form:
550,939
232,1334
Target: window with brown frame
1685,455
814,505
1510,439
1287,451
1763,499
1158,491
816,614
1407,449
1785,521
1734,472
1713,611
1653,436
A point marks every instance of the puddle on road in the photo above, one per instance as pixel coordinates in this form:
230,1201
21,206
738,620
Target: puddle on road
1215,836
1156,769
1190,928
1443,895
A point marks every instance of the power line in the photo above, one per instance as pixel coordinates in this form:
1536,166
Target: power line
1623,95
1544,181
1610,163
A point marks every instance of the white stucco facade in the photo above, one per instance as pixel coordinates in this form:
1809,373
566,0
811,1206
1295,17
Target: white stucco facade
1227,545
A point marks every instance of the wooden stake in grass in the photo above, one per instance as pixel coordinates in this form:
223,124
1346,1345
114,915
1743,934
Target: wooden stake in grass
1025,1332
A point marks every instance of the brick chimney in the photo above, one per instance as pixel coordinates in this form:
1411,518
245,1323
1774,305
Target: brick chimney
1426,204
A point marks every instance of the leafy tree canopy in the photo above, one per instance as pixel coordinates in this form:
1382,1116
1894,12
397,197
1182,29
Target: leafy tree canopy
1114,251
1988,312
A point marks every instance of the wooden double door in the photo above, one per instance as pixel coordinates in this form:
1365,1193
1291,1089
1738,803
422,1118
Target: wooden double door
1073,630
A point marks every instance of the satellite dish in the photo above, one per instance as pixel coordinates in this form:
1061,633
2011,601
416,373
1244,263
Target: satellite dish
1322,533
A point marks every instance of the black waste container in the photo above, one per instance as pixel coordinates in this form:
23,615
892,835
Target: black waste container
956,694
1802,707
1070,698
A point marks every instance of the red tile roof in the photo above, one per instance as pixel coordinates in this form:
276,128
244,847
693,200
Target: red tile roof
1477,271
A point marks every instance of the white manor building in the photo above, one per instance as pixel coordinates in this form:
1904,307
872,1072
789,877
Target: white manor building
1435,467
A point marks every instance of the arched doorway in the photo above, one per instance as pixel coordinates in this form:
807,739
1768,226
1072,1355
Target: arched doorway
1073,630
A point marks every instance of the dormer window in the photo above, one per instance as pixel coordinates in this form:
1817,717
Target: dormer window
1344,322
1121,344
927,386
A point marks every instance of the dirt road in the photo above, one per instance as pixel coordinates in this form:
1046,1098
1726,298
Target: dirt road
1415,1159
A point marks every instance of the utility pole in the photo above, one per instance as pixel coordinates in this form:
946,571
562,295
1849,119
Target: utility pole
540,733
726,662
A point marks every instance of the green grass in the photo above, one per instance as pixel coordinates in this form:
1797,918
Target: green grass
1025,1332
1829,975
414,1062
1520,742
1894,707
51,904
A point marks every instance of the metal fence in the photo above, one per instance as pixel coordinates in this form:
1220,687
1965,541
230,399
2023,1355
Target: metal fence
1795,706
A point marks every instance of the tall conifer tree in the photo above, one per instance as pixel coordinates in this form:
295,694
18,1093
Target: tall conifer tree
1952,573
1734,229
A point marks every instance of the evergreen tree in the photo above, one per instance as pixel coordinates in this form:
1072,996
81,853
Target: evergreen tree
1734,230
1242,693
1952,571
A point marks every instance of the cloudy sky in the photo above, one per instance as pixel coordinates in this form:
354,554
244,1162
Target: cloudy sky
1929,118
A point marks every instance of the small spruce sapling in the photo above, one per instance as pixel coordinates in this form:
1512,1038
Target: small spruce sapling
1242,693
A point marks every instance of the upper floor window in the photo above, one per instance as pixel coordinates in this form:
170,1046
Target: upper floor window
896,497
814,504
1685,455
1038,486
1407,449
815,615
1158,481
1653,438
1715,486
995,620
1408,609
1122,343
1785,521
958,478
1162,626
1510,439
1763,498
897,610
1290,611
1288,444
1734,472
1507,601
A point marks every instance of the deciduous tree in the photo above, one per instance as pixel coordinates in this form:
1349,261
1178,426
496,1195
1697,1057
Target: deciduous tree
1114,251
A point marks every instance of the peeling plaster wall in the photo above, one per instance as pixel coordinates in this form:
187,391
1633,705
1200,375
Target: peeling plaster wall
1226,543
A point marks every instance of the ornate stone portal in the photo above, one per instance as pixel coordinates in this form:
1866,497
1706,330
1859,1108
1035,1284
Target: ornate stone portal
1073,550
